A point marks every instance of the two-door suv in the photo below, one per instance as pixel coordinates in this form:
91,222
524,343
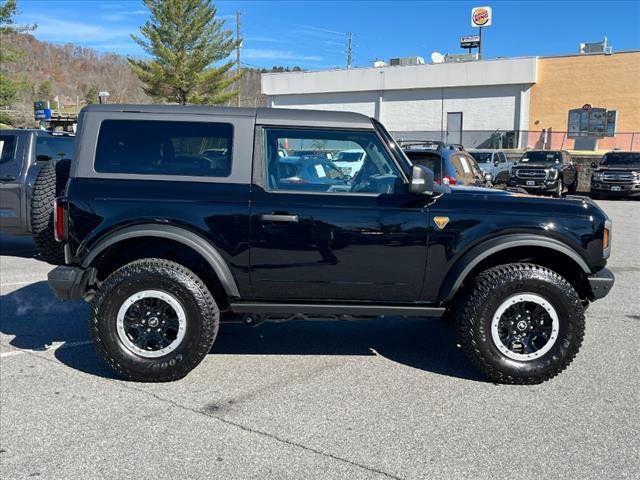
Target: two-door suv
175,217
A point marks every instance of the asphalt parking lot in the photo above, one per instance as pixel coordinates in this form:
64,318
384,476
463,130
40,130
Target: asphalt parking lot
386,398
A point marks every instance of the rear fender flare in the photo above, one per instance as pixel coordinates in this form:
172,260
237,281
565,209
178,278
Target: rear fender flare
177,234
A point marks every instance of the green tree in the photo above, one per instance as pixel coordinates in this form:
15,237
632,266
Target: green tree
90,94
185,41
9,88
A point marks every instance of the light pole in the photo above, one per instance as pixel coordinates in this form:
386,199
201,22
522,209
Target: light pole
103,96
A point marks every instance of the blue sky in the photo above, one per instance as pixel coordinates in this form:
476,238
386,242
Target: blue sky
313,34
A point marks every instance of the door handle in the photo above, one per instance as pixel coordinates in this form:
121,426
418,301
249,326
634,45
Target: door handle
279,218
7,178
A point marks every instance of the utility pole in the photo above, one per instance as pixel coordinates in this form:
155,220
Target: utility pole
349,49
238,71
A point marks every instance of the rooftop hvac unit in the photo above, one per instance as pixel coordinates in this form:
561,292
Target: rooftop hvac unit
379,64
460,57
406,61
596,47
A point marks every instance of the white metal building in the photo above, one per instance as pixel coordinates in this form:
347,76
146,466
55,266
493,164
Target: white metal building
419,101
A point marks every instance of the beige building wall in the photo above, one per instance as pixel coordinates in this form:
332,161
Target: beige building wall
607,81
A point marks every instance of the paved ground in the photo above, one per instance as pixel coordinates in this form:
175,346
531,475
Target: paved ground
377,399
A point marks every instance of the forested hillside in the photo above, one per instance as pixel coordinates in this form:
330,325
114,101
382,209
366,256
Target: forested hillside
76,74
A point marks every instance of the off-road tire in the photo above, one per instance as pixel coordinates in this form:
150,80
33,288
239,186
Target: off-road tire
559,189
491,288
49,184
202,319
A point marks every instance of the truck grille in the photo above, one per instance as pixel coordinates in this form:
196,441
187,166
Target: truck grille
530,173
622,177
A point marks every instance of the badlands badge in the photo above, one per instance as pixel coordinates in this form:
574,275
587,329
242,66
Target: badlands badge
441,222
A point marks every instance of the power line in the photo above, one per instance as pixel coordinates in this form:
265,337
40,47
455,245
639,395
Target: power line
349,49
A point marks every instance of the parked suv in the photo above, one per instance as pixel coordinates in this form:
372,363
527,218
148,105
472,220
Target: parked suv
618,175
451,164
34,166
493,162
165,243
545,171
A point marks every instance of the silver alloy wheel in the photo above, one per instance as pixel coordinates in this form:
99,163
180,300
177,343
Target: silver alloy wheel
151,323
525,327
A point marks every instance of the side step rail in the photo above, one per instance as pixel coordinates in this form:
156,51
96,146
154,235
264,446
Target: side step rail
336,309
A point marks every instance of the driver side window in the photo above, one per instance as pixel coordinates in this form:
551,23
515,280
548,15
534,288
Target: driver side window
329,161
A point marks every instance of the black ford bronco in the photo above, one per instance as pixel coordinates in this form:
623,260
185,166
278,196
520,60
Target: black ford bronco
175,218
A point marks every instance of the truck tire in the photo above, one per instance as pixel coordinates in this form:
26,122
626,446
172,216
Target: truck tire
153,320
522,323
49,184
573,188
559,188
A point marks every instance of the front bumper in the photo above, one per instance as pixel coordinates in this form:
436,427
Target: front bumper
70,283
601,283
615,190
538,184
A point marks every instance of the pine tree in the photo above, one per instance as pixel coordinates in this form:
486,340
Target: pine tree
9,88
186,41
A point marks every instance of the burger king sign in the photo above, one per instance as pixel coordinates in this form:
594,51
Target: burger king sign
481,17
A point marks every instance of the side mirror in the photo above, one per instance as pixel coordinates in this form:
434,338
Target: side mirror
421,180
488,177
594,165
496,162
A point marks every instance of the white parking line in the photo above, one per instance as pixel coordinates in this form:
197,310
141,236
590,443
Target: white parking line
13,284
49,348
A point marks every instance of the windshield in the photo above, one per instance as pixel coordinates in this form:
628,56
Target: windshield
542,157
622,159
349,156
398,153
481,157
54,147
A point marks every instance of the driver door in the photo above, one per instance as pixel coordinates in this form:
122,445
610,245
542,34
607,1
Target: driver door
360,238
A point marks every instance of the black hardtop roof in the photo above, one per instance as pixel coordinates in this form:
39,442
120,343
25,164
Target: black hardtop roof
265,116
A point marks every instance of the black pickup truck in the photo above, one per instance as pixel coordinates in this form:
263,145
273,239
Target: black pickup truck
175,218
545,171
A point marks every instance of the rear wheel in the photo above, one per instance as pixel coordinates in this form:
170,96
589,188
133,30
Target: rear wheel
522,323
153,320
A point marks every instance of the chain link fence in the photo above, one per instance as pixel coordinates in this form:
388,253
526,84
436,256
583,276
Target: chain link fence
521,139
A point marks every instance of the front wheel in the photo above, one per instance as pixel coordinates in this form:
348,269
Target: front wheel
522,323
559,189
153,320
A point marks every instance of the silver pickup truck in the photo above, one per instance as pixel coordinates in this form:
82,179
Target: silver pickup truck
34,166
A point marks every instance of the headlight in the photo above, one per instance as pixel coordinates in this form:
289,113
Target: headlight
596,176
552,173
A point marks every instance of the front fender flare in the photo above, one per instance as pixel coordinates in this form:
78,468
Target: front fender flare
472,257
180,235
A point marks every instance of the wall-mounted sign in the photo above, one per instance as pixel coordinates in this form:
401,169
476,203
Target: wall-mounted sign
589,121
481,16
470,41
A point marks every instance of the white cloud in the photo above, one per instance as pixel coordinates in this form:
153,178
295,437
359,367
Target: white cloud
267,54
65,31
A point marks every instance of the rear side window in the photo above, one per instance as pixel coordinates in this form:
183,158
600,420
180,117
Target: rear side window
50,147
149,147
7,148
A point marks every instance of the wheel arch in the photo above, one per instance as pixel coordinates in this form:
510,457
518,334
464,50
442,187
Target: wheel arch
509,248
171,233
